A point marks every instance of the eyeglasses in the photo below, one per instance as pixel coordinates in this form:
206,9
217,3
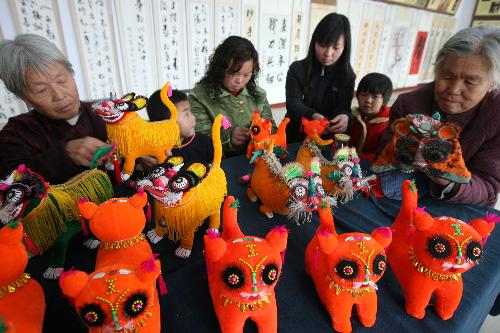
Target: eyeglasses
240,75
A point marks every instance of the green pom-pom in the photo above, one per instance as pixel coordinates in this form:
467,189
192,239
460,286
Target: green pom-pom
14,224
235,204
293,170
279,151
413,186
323,204
316,167
334,176
99,154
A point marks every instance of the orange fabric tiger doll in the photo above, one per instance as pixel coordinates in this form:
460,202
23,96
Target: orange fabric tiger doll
429,255
260,133
22,302
120,295
345,269
242,273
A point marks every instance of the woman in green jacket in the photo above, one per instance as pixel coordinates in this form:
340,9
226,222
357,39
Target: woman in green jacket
229,87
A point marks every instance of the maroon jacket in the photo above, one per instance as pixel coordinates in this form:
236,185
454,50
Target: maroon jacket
38,142
366,132
480,142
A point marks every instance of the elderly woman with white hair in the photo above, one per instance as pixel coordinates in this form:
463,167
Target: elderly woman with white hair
465,92
59,136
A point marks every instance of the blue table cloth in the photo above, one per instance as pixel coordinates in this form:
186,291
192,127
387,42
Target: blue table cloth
188,307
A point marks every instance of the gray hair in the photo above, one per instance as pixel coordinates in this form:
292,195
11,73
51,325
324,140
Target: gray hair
483,40
24,52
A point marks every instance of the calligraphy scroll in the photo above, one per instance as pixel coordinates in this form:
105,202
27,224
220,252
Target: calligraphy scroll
95,38
227,15
39,17
250,16
299,45
275,52
135,26
201,40
169,26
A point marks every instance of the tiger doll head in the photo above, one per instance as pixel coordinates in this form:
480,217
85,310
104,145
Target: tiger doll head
429,254
115,111
20,192
345,269
425,144
242,273
116,298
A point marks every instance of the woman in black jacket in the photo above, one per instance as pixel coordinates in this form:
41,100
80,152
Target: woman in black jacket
322,84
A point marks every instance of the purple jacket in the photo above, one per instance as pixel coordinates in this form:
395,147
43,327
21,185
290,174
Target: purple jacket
39,142
479,139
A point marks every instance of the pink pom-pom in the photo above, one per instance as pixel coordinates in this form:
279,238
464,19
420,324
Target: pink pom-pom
149,265
355,160
213,233
309,174
280,229
3,187
169,91
385,231
140,191
225,123
21,168
324,233
82,201
420,209
492,218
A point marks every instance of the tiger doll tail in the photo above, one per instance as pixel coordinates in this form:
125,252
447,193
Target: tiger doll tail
165,92
216,139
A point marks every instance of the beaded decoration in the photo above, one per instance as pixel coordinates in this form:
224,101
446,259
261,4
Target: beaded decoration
12,287
124,243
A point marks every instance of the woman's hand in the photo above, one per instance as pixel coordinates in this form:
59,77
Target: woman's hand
240,136
338,124
81,151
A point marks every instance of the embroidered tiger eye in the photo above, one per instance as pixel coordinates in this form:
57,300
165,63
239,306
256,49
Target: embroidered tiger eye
233,277
347,269
439,247
91,317
270,274
474,250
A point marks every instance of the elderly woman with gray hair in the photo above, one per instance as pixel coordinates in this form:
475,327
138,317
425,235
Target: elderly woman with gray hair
59,136
465,92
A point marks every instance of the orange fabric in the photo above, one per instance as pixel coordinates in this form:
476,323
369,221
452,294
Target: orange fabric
23,309
271,191
122,275
425,255
260,133
237,294
338,265
116,220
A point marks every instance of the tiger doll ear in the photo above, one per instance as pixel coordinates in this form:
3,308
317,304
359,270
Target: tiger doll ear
149,271
401,127
448,132
215,248
305,121
139,199
87,209
383,236
138,103
72,283
277,238
327,241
